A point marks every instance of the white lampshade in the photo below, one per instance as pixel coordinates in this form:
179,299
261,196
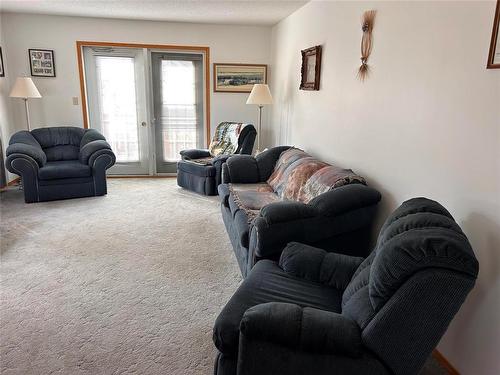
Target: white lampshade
260,95
24,88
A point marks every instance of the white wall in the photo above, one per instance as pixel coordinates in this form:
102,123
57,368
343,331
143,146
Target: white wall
7,126
426,123
234,44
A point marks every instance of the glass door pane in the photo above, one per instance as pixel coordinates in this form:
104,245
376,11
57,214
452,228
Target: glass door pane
178,106
117,104
117,101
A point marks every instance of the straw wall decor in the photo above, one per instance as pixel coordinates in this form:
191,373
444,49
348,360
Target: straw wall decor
366,43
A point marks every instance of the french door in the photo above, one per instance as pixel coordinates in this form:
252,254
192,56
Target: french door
178,106
148,104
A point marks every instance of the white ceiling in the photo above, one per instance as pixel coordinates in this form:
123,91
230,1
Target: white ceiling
246,12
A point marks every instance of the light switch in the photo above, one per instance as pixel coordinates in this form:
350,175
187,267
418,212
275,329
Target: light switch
75,100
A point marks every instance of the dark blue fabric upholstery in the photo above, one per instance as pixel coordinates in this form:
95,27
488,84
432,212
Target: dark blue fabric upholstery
193,168
63,169
60,162
268,283
339,220
59,143
58,136
296,327
396,304
316,265
23,143
90,148
245,169
203,178
91,135
194,154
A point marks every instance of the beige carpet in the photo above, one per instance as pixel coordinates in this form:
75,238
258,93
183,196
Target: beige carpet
130,283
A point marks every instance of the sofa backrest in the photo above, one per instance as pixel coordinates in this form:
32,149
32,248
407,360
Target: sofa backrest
59,143
404,295
298,176
232,138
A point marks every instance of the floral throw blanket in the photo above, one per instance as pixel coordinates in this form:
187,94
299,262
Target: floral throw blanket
225,139
298,176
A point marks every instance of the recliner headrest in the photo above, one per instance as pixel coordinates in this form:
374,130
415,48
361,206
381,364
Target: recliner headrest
420,234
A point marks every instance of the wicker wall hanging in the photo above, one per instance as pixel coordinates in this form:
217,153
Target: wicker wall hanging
366,43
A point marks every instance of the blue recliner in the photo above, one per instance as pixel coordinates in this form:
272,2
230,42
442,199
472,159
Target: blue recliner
201,170
318,313
60,162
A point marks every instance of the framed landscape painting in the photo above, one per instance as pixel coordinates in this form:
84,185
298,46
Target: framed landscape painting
238,77
42,62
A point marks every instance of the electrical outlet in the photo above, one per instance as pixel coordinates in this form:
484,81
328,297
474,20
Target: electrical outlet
75,100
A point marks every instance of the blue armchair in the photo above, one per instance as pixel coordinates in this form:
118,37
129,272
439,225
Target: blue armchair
60,162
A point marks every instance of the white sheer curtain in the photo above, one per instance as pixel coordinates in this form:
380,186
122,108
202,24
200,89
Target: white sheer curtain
178,115
118,105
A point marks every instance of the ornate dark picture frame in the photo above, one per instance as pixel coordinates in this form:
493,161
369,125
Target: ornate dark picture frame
311,68
2,69
494,63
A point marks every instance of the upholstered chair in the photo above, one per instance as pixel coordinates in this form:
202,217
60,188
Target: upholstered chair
200,170
60,162
327,313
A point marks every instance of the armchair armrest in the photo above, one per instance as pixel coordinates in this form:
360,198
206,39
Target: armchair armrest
101,160
21,149
194,154
91,135
90,148
306,329
317,265
23,143
249,169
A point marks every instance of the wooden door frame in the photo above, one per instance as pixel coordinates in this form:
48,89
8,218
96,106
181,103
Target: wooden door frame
81,72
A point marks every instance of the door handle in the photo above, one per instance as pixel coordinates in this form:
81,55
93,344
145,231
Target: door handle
144,124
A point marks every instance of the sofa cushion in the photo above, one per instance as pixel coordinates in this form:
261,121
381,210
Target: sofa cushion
267,282
63,169
250,199
262,187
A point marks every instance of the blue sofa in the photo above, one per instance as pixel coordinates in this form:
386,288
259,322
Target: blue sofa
260,223
60,162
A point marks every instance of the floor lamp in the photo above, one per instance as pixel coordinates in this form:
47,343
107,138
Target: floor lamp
260,96
24,88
